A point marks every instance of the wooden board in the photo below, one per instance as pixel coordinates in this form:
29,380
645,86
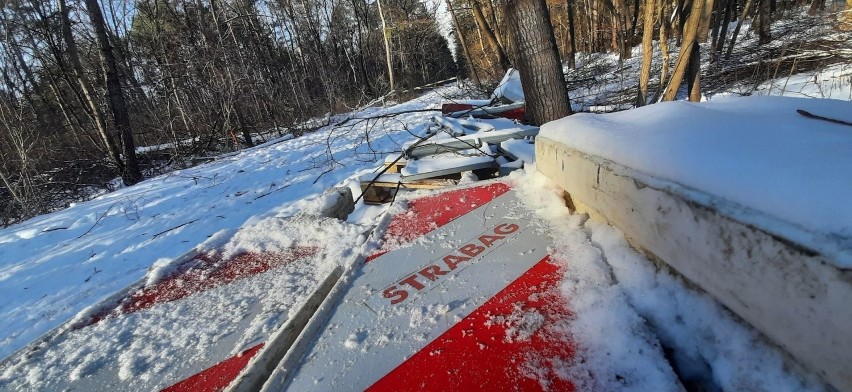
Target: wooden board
379,192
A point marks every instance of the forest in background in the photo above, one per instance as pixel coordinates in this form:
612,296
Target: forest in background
85,83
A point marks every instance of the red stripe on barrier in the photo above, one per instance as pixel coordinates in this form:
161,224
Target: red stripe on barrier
492,111
448,108
514,114
431,212
217,377
207,272
511,342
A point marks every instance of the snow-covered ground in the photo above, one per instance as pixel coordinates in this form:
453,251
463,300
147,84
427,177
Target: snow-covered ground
56,266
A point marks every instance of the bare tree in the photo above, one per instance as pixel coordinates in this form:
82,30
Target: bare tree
86,89
687,55
647,52
130,172
463,43
746,10
572,34
486,31
385,35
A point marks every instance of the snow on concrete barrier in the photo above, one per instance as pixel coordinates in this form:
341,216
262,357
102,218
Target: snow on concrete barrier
743,197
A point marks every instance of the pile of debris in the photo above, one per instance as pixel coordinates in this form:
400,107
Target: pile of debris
445,149
482,137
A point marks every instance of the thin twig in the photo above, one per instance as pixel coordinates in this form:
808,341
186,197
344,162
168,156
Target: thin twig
173,228
823,118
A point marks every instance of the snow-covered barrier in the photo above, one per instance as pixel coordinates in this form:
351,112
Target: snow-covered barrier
742,196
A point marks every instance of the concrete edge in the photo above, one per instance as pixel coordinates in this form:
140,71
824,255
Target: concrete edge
796,296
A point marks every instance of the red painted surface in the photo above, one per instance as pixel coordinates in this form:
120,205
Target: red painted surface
431,212
514,114
207,272
218,376
475,354
448,108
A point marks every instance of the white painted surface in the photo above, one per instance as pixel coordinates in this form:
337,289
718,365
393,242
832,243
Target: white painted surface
367,336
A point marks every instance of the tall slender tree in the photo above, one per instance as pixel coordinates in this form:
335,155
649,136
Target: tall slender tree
486,31
647,52
130,172
687,55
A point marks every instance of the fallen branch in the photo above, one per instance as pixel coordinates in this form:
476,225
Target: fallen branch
173,228
274,190
823,118
97,222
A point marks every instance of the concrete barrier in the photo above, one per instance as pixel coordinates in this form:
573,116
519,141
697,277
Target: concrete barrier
797,297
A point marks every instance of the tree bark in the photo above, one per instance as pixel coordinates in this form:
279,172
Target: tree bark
693,75
665,26
706,16
722,33
647,52
634,22
489,36
385,35
619,27
690,35
572,34
763,33
538,61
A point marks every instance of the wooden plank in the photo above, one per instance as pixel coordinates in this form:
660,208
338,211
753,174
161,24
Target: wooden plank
383,191
395,167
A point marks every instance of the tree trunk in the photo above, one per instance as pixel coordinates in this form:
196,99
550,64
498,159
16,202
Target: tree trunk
385,35
763,33
634,22
538,61
463,44
619,27
693,75
681,19
706,16
115,96
83,82
647,52
743,15
665,26
690,35
722,27
572,34
489,36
